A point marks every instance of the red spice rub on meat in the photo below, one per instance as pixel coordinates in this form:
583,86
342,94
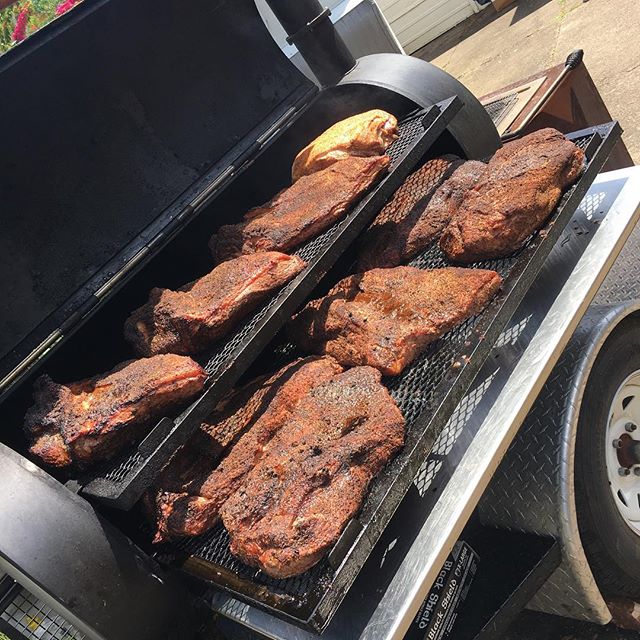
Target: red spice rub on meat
314,474
94,419
521,186
302,211
386,317
192,318
193,487
409,221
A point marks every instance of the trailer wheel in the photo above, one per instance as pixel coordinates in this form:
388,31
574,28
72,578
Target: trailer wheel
607,464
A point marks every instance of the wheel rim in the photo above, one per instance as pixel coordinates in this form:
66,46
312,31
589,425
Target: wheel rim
622,448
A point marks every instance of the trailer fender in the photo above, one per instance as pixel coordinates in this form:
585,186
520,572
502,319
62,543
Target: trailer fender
533,489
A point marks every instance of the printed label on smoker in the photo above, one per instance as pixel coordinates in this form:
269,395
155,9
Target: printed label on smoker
439,611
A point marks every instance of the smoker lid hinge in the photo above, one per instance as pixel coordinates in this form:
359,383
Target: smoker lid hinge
268,135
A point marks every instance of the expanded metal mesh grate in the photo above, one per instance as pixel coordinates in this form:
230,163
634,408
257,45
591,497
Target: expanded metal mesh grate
499,108
216,362
437,379
410,129
37,621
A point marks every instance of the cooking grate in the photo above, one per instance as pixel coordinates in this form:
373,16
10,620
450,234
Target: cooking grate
427,392
499,108
121,484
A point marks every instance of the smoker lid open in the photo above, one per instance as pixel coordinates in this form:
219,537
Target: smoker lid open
114,117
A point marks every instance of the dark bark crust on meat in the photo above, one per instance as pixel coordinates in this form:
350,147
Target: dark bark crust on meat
412,219
521,186
291,480
189,493
302,211
92,420
293,506
191,319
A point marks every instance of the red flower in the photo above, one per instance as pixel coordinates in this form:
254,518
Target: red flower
20,30
63,7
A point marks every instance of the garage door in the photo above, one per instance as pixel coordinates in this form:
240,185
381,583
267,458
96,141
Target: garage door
417,22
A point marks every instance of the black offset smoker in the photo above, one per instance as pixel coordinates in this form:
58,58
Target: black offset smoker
126,122
142,128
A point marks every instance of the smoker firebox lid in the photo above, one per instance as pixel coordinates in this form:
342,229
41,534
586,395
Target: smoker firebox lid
116,118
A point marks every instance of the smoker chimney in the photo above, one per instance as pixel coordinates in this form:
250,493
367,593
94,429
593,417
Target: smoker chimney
310,29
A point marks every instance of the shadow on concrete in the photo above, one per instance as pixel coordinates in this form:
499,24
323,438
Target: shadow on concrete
525,8
475,23
454,36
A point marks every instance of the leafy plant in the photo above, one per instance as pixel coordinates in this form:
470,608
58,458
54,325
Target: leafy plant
41,12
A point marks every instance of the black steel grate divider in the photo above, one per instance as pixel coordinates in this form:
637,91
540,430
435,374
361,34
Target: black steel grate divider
121,483
427,393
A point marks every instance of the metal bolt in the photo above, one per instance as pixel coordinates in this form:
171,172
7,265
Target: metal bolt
629,427
623,471
617,443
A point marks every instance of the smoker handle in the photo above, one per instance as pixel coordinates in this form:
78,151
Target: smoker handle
309,27
573,61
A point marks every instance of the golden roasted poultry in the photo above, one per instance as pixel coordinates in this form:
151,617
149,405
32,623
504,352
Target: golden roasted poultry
365,134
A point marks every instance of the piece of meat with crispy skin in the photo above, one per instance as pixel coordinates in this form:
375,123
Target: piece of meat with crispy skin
365,134
192,318
302,211
187,498
386,317
94,419
522,185
415,216
314,475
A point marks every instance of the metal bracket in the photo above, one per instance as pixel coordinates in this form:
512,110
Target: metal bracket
309,26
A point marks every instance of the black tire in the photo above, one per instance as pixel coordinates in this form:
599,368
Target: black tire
612,548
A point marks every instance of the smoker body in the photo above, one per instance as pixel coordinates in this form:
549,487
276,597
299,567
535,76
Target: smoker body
164,122
149,141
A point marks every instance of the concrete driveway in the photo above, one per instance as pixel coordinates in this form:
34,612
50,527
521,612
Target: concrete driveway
491,50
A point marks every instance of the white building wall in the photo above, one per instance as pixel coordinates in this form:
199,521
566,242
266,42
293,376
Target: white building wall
418,22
